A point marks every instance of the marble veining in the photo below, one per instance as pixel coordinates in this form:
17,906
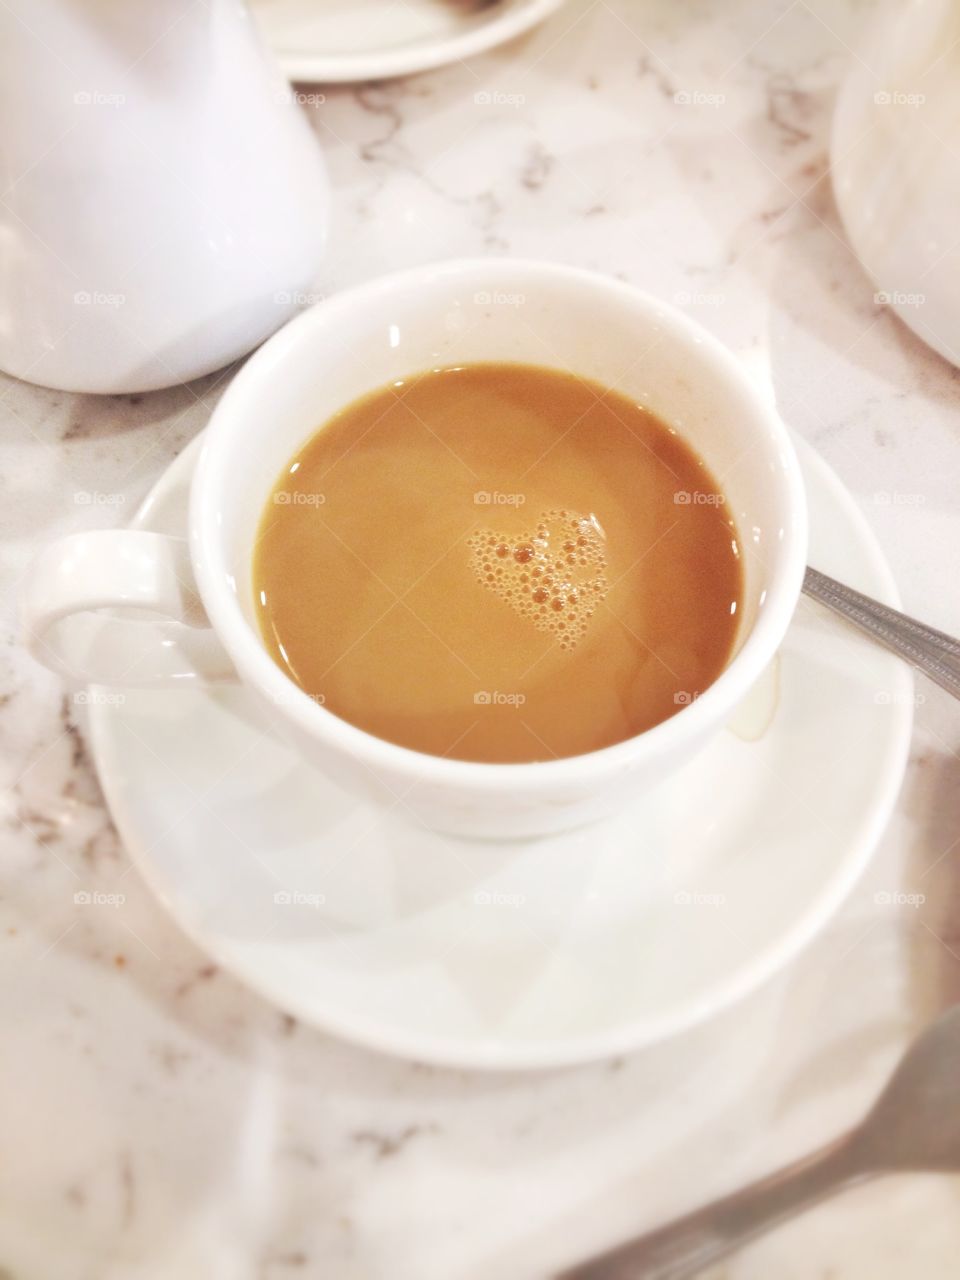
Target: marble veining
159,1119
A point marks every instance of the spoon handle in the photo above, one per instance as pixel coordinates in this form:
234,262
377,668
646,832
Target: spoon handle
687,1245
935,654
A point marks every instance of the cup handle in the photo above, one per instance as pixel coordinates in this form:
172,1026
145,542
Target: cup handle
135,574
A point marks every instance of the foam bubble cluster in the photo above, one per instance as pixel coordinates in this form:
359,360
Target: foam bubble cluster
555,576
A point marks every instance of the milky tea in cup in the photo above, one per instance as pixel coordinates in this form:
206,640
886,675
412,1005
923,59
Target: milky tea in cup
499,563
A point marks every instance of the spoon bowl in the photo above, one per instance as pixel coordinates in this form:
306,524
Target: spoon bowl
914,1126
915,1123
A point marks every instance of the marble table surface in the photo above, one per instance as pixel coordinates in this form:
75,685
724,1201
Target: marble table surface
158,1120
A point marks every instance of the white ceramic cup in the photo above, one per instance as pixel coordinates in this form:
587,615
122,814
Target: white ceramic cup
441,314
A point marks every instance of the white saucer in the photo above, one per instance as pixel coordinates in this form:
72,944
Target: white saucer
328,41
537,954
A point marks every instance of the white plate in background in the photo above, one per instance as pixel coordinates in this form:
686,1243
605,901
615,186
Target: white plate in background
331,41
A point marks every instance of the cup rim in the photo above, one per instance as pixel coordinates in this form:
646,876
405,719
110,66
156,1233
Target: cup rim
255,665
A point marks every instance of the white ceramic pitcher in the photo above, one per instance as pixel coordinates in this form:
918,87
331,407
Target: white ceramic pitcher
896,163
163,203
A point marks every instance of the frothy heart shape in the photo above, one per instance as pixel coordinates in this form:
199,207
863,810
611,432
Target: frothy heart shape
555,576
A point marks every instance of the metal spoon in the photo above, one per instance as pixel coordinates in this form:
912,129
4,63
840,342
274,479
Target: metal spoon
913,1127
935,654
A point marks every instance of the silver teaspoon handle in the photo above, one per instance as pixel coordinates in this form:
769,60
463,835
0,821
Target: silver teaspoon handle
935,654
687,1245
